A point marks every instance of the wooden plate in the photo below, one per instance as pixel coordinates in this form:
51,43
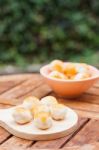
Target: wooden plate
29,131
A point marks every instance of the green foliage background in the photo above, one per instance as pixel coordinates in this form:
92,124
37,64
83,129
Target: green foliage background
41,30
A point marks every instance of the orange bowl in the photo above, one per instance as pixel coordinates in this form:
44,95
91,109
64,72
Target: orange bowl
70,88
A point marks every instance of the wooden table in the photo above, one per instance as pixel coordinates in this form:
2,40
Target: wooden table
14,88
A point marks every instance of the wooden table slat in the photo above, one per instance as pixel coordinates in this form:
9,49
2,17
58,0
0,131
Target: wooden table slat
91,146
87,114
23,88
5,86
20,90
88,98
80,105
6,78
88,134
39,92
93,91
15,143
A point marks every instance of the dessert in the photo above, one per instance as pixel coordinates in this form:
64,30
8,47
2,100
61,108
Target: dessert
42,113
68,71
49,101
58,112
56,65
42,120
22,115
58,75
30,102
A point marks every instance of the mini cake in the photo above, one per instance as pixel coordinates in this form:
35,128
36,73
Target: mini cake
40,108
49,101
82,68
42,120
69,70
81,76
85,66
22,115
56,65
31,102
58,75
58,112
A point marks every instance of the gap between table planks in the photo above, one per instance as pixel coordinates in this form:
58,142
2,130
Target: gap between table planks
20,142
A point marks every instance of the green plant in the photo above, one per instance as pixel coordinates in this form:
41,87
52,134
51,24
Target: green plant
40,30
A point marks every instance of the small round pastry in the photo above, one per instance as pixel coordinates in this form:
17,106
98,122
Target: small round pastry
42,120
82,68
69,69
56,65
49,101
40,108
58,75
22,115
81,76
58,112
30,102
85,65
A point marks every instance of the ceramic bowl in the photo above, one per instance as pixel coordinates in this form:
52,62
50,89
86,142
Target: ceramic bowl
70,88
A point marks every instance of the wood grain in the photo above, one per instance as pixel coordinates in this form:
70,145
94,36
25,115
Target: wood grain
93,91
9,82
90,146
87,114
15,144
80,105
59,142
23,88
6,85
39,92
94,99
6,78
11,96
88,134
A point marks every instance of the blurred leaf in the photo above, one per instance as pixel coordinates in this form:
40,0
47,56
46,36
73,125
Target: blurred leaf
41,30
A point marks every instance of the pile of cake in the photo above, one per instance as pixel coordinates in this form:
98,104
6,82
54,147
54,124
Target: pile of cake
68,71
41,112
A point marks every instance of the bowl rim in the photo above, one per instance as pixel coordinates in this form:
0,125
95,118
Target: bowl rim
64,80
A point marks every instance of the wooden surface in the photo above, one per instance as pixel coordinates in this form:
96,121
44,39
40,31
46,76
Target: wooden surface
14,88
